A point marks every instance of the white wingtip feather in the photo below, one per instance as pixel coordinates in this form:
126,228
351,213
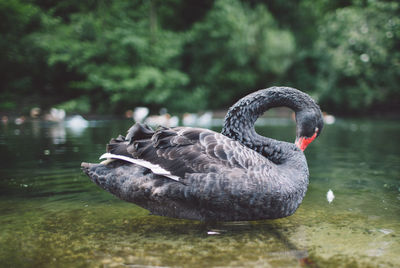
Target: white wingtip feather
156,169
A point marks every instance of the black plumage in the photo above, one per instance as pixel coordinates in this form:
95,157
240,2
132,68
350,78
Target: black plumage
236,175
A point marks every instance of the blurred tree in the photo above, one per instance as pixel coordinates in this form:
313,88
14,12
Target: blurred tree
28,79
17,58
187,55
120,52
235,50
359,58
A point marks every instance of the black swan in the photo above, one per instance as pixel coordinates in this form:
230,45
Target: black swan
199,174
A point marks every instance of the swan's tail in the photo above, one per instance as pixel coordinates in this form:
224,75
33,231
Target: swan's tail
119,145
139,132
123,148
128,182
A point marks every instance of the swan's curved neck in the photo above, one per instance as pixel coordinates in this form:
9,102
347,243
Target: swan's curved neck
241,117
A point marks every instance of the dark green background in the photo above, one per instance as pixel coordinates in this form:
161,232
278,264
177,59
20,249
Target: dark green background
109,56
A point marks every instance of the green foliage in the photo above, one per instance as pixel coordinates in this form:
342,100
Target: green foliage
7,105
359,57
188,55
119,52
17,57
78,105
237,48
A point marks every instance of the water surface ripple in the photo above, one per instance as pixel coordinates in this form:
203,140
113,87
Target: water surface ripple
52,215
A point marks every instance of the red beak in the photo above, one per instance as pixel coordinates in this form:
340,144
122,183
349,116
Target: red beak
303,142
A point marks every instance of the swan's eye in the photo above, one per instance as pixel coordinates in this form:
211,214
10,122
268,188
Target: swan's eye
316,129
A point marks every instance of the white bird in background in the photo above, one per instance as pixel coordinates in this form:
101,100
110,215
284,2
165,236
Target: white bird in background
328,118
140,113
330,196
162,120
173,121
204,120
55,115
189,119
77,123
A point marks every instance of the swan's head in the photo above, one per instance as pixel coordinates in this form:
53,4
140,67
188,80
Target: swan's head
309,126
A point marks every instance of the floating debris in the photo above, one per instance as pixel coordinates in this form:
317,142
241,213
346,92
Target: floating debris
330,196
385,231
216,231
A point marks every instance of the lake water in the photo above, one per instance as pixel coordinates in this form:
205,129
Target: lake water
52,215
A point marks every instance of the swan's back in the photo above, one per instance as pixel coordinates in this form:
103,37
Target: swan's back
186,150
199,174
219,178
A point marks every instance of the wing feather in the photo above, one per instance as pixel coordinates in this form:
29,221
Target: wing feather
185,150
193,150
